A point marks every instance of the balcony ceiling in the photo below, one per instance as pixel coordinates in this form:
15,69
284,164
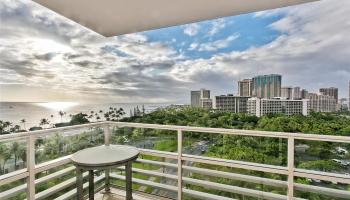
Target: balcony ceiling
117,17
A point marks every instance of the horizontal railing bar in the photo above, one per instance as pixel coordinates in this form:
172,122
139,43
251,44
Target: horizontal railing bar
235,176
21,188
52,164
236,189
54,175
212,185
70,194
326,176
236,164
13,192
323,190
13,176
163,154
52,190
148,183
152,162
23,135
203,195
301,136
152,173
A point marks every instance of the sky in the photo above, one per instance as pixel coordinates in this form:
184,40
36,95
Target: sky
46,57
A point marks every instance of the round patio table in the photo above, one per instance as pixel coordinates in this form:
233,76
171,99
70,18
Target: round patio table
104,157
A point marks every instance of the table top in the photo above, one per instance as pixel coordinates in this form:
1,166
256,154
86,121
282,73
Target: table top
104,156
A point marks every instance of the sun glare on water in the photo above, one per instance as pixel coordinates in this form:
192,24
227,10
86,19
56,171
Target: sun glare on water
57,106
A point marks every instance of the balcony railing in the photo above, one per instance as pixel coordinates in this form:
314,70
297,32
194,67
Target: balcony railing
32,169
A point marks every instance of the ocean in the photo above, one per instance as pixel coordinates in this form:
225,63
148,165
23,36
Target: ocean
33,112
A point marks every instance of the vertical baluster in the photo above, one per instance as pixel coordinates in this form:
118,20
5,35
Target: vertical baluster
290,168
106,133
179,164
31,167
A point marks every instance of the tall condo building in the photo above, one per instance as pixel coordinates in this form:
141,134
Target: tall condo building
342,106
287,92
260,107
206,103
267,86
296,93
304,94
245,88
332,91
322,103
230,103
196,97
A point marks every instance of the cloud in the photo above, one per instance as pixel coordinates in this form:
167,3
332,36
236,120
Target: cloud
218,44
217,25
193,46
311,51
191,29
41,51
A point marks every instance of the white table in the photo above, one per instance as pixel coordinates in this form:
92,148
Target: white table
104,157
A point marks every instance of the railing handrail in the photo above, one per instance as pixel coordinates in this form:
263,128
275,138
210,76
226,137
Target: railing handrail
255,133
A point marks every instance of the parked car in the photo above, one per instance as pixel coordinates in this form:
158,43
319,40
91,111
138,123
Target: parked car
341,150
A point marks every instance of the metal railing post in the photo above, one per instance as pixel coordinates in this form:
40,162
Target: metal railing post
179,164
107,135
290,168
31,167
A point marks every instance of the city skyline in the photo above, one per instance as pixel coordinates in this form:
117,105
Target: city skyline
53,59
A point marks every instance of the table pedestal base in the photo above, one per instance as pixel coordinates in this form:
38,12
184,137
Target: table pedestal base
79,182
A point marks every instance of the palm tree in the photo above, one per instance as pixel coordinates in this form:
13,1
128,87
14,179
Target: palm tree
7,125
23,121
4,157
107,116
61,113
15,150
15,129
44,122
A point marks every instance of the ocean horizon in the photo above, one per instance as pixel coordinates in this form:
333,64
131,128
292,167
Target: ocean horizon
33,112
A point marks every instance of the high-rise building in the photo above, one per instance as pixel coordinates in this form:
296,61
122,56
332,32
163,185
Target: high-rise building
342,106
230,103
206,103
267,86
287,92
332,91
304,94
260,107
196,97
322,103
296,93
245,88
